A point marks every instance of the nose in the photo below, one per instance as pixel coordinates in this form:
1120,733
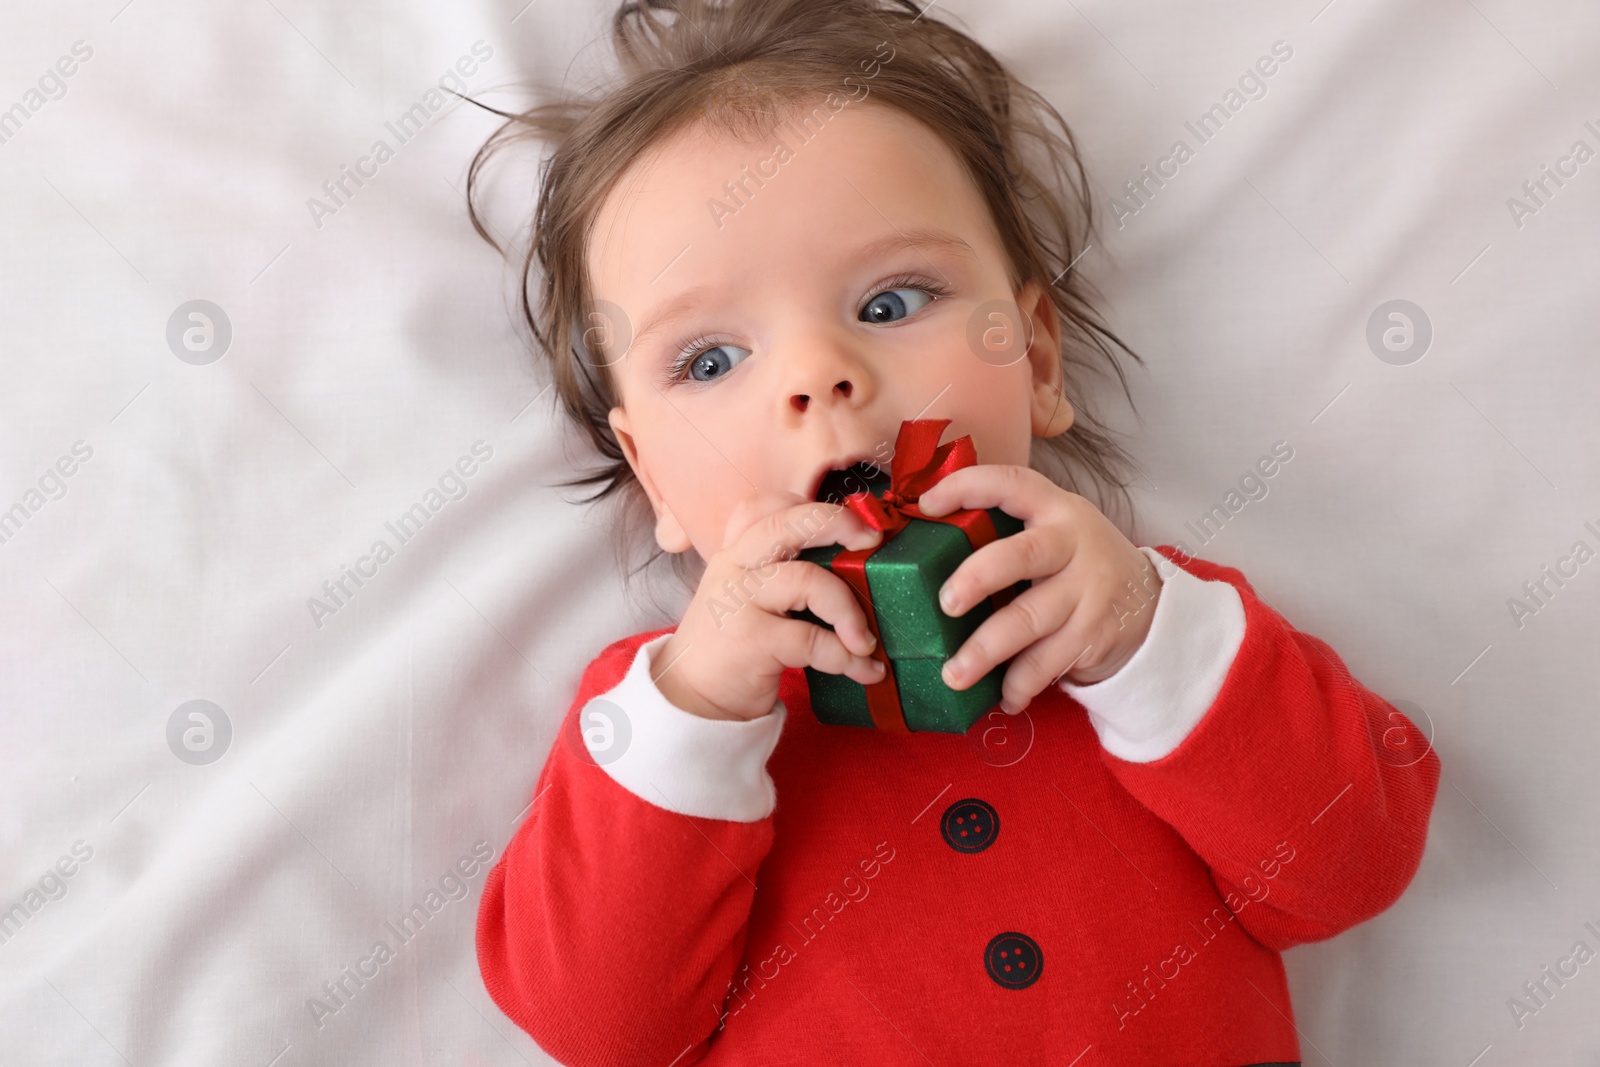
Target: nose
801,401
825,370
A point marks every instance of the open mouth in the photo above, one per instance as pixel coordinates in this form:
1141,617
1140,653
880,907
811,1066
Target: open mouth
860,477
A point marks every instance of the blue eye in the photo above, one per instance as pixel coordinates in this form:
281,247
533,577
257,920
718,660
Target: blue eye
703,359
891,306
709,364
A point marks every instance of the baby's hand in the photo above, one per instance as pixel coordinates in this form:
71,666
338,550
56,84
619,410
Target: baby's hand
1081,617
725,659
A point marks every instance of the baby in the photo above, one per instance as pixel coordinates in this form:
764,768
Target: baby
795,225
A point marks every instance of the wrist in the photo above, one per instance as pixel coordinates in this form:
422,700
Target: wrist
1099,672
1145,710
1134,623
682,762
686,699
680,693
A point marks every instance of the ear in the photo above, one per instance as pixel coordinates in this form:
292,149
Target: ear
669,534
1049,411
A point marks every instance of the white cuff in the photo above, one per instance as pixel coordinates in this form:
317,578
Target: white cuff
1147,708
711,768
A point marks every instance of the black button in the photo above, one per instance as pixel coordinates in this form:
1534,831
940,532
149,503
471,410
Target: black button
970,825
1013,960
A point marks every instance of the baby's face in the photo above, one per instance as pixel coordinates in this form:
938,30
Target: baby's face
790,330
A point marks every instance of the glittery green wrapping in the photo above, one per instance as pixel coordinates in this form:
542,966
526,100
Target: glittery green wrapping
904,576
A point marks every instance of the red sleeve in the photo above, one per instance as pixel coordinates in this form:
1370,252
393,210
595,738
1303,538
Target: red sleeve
610,928
1306,794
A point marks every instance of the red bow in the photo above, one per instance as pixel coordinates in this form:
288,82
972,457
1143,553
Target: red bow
919,463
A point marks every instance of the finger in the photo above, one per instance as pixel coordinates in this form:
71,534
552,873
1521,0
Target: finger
1037,552
799,584
797,643
1042,664
781,534
752,509
1020,492
1038,612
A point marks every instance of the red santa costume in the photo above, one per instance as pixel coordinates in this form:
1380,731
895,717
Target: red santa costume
1107,878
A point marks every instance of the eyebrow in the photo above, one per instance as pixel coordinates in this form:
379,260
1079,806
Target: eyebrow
921,238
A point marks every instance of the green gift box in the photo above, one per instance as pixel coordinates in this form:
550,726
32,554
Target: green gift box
903,576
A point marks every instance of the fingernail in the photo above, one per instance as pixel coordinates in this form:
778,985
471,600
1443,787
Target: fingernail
877,666
947,599
872,642
952,672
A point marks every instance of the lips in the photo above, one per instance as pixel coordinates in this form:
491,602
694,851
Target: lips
836,483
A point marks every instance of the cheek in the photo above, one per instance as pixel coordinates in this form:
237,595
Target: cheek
693,470
987,401
1008,441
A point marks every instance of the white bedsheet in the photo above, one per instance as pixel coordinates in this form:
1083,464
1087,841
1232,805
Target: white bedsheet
384,751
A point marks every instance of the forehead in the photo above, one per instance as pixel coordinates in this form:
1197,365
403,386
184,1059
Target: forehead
710,213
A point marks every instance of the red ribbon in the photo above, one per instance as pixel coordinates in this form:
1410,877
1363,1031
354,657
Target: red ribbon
919,463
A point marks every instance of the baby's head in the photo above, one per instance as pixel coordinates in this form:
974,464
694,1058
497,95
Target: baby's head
795,224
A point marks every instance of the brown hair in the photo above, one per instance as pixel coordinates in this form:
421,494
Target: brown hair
739,66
